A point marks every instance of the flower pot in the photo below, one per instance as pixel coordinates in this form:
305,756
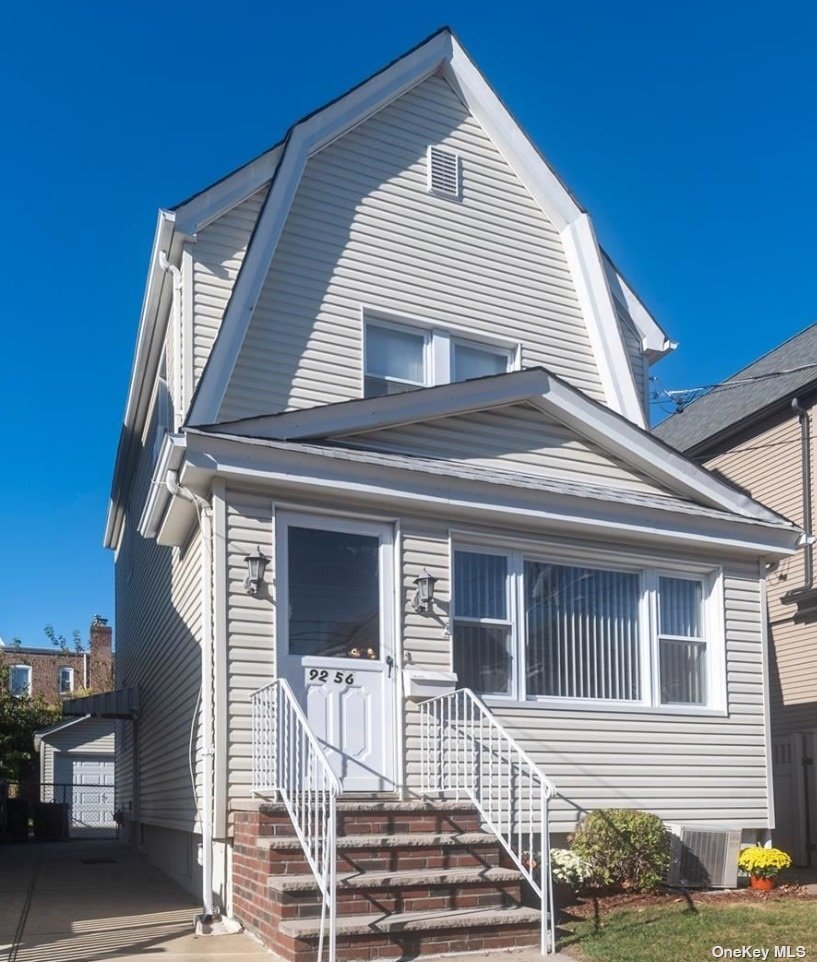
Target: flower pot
761,884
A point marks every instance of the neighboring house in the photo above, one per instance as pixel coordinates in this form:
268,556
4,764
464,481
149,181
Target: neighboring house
386,432
757,430
77,767
52,674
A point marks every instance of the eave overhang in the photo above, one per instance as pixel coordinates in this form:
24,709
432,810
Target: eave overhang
364,481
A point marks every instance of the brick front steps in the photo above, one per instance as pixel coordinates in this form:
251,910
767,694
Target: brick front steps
414,878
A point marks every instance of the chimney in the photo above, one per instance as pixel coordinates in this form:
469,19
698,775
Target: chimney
101,635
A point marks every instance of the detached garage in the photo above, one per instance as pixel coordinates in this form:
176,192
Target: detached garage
77,767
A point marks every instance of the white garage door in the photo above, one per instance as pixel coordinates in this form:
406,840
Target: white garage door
87,783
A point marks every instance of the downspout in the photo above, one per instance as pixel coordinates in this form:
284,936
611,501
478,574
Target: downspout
176,320
85,670
805,474
204,513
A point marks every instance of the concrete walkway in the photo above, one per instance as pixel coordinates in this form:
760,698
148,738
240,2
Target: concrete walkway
60,903
98,901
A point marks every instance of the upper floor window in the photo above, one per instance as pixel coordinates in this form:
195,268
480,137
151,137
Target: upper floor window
65,677
396,359
20,681
583,633
402,357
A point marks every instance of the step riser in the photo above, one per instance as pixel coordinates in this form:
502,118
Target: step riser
404,899
378,860
370,823
410,944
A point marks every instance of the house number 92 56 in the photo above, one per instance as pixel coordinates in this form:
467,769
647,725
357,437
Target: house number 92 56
320,675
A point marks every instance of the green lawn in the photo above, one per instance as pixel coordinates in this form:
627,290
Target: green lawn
678,933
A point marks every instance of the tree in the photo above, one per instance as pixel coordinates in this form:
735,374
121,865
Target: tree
20,717
60,641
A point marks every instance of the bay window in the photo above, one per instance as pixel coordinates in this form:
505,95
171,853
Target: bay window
543,630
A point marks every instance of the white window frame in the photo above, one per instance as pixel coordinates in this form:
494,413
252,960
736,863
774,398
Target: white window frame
649,571
512,620
377,320
440,340
27,669
70,687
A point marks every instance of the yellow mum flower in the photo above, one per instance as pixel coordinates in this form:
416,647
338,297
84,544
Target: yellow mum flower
763,862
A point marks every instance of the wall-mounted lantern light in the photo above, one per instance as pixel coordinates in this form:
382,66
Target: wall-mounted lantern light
424,591
256,566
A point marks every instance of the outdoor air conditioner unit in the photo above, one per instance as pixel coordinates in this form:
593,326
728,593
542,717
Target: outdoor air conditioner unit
704,856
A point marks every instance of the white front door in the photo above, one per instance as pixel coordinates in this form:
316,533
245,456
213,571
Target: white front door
334,589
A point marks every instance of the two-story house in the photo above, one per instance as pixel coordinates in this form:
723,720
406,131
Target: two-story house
404,584
757,429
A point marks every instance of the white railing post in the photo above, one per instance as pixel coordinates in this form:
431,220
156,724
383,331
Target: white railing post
469,733
288,760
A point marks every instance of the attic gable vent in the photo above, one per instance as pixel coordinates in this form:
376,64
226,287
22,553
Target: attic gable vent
443,171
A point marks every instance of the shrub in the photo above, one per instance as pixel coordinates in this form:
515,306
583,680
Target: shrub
626,848
569,867
763,862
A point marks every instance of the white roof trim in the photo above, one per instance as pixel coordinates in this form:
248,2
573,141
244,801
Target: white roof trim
207,206
45,732
582,251
597,423
654,339
294,469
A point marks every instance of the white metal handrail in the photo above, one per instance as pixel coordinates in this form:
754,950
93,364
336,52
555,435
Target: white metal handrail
465,750
288,760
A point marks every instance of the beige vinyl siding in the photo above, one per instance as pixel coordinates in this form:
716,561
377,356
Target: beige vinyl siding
158,633
704,768
91,736
217,257
637,359
517,437
364,231
684,768
250,631
767,464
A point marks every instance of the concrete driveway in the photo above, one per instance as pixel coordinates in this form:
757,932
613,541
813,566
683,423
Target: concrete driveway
96,900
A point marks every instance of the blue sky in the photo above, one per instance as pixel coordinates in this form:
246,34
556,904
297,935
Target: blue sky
689,132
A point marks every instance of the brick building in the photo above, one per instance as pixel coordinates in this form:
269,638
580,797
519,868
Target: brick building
53,673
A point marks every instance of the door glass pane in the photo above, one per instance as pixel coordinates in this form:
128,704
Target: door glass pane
392,353
334,596
582,632
679,605
482,659
471,361
480,585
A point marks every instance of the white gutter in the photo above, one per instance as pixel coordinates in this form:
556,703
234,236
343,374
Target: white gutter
204,513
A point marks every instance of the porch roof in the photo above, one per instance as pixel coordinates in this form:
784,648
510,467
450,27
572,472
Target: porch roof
500,476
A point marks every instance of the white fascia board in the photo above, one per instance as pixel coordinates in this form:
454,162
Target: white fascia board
370,414
645,452
44,733
298,473
515,146
304,139
171,455
228,193
584,257
654,340
140,390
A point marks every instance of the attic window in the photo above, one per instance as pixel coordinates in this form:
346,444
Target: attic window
443,171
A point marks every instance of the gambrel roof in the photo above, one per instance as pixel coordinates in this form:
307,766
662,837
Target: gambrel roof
598,283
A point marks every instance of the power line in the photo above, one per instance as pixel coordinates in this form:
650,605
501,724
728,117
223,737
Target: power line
680,398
